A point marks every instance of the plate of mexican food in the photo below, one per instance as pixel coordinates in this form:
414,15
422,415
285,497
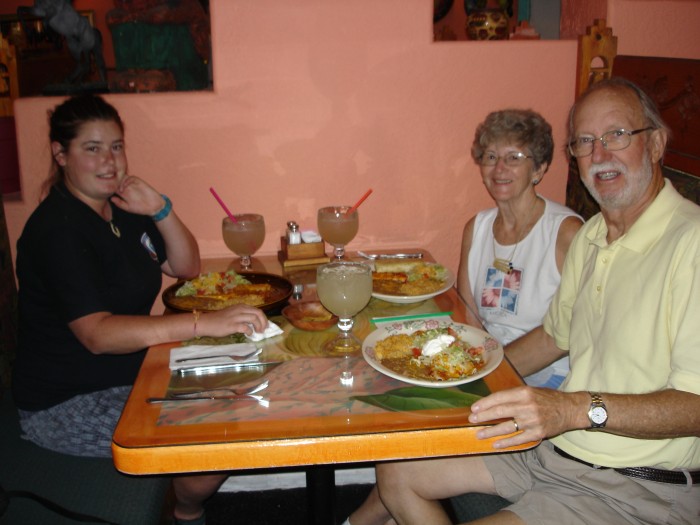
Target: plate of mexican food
409,281
432,353
218,290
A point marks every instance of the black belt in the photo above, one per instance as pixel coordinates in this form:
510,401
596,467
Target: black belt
676,477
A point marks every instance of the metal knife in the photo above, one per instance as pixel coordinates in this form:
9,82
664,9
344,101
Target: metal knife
374,256
201,398
400,256
204,369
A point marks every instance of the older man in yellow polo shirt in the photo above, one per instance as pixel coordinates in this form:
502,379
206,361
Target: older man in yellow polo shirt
622,435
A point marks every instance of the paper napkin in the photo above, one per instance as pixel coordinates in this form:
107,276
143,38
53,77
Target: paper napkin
310,236
236,349
270,331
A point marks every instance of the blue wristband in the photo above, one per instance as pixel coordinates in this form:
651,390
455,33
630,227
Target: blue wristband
162,214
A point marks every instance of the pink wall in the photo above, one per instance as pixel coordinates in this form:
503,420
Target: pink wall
667,28
316,102
576,16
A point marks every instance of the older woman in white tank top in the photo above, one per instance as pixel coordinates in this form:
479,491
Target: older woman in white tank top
512,254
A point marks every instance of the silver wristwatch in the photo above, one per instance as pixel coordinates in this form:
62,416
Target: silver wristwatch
597,413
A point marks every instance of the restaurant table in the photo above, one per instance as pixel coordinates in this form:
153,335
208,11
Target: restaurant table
310,415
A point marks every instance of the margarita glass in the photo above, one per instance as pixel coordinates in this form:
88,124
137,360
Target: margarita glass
244,236
338,227
344,289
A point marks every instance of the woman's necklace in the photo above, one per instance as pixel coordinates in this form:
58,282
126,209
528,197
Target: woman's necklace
113,227
506,265
115,230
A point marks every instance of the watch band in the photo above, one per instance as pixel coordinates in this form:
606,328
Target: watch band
598,412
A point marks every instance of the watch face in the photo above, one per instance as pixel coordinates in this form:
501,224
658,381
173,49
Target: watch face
598,415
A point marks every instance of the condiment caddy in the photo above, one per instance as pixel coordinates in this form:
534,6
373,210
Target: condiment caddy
296,252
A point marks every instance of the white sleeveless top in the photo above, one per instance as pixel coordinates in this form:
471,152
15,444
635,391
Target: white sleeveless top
510,305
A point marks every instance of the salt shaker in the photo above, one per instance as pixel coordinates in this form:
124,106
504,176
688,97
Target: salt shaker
293,233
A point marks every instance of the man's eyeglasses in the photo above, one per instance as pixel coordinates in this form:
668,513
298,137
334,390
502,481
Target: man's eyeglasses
512,159
612,141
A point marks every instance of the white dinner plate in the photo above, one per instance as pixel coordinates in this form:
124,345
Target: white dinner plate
406,299
493,351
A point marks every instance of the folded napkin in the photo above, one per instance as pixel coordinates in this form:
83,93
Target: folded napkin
236,349
271,331
310,236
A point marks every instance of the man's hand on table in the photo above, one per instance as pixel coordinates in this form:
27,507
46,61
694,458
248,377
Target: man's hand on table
534,413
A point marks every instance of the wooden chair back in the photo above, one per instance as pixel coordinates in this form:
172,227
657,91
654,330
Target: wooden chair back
596,53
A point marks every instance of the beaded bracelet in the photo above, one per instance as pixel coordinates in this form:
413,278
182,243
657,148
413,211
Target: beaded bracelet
162,214
196,314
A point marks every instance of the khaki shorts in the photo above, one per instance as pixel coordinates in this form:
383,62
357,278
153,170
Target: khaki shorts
549,489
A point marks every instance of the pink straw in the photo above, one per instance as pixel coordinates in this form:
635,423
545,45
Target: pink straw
357,204
218,199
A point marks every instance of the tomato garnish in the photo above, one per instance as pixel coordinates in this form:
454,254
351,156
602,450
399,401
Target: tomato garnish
476,350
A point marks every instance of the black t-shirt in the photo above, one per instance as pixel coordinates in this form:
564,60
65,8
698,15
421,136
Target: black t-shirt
70,264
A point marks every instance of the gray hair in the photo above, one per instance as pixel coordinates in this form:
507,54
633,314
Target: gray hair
524,127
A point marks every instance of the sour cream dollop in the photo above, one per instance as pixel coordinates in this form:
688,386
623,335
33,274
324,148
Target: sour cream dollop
437,345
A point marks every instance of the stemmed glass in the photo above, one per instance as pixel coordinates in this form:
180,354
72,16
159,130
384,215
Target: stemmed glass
344,288
338,227
244,236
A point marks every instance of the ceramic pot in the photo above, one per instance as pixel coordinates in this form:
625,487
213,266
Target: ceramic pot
487,24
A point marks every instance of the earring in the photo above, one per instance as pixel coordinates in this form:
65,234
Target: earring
535,182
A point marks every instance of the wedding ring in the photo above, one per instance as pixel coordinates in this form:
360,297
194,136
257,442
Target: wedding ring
515,424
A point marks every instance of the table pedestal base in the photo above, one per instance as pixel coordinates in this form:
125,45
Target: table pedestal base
320,494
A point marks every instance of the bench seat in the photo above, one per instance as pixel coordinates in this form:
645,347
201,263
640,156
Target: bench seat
90,486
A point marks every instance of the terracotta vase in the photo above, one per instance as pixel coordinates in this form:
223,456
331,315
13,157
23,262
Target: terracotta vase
487,24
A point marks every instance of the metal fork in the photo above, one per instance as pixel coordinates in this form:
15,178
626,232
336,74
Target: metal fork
234,357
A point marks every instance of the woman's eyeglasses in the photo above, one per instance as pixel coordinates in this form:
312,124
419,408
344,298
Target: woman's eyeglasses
512,159
612,141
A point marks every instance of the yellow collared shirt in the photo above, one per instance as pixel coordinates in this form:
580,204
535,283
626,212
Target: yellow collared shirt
627,312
